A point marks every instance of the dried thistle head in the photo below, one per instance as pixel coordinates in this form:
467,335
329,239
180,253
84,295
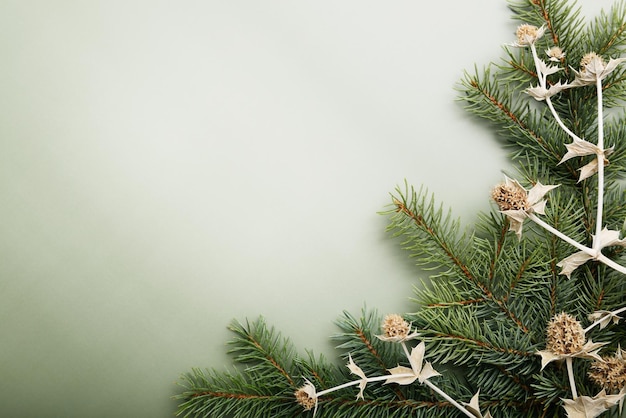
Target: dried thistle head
304,399
517,203
394,326
555,54
565,338
565,335
527,34
588,58
610,373
594,69
306,396
509,196
396,329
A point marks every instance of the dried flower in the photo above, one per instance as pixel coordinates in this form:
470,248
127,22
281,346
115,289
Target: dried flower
419,370
528,34
610,373
588,407
396,329
588,58
510,196
565,337
606,238
593,69
555,54
517,203
307,396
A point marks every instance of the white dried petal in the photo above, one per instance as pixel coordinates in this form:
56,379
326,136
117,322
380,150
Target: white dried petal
417,357
588,170
474,408
427,372
537,192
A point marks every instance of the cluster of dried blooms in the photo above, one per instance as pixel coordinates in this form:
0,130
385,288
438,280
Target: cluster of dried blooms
565,340
565,337
397,330
519,204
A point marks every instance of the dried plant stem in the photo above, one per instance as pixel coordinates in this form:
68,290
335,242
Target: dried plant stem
599,321
570,375
610,263
356,382
559,121
600,207
543,83
439,391
449,399
595,254
561,235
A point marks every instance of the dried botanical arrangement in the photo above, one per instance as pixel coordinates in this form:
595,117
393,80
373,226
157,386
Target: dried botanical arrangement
521,315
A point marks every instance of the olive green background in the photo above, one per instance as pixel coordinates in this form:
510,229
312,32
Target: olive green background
167,166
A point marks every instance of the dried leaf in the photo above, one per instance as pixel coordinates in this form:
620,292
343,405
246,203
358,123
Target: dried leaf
405,376
580,148
354,369
571,263
588,407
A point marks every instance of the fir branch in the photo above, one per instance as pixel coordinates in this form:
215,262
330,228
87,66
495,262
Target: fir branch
358,338
266,352
211,394
425,228
561,18
484,98
607,32
431,236
430,408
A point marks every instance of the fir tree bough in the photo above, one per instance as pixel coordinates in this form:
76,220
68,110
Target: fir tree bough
521,315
